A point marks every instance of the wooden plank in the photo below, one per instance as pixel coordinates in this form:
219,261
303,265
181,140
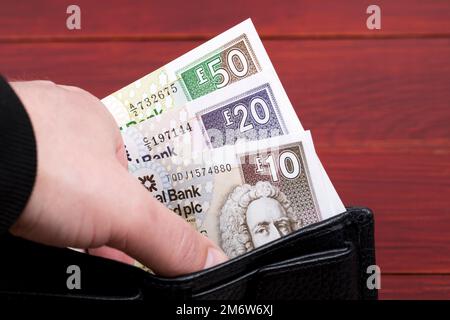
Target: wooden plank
379,90
405,191
116,18
372,90
416,287
379,112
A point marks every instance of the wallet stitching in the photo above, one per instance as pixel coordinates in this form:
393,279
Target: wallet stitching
342,256
339,258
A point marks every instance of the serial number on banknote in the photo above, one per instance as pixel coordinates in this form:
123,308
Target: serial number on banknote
166,135
198,172
153,99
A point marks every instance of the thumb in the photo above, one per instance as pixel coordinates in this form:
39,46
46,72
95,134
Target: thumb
154,235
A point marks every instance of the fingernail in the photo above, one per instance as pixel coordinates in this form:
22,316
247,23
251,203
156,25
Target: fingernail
214,257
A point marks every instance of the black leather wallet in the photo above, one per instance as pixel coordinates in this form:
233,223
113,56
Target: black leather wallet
326,260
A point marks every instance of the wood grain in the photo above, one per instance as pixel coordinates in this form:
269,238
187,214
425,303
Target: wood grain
156,19
423,287
379,111
371,90
407,192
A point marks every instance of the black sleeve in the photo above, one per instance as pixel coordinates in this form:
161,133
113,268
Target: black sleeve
17,157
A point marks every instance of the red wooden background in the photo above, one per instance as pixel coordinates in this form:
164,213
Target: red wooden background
377,102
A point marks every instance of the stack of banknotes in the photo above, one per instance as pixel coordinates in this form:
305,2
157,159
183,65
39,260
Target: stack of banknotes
213,136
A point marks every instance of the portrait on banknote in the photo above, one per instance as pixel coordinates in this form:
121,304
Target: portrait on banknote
253,216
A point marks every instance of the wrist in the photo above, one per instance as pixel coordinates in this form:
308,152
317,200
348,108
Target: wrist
18,157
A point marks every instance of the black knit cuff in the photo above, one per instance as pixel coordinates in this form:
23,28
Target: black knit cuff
17,157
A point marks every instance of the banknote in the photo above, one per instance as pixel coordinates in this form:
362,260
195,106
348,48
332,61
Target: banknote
225,60
245,195
333,204
213,136
184,131
256,109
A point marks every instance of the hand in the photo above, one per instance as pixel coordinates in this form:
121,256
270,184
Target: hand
84,196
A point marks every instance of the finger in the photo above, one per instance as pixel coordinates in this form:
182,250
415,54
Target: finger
121,153
111,253
72,88
154,235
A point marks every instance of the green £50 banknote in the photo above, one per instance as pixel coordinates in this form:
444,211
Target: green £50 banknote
227,59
